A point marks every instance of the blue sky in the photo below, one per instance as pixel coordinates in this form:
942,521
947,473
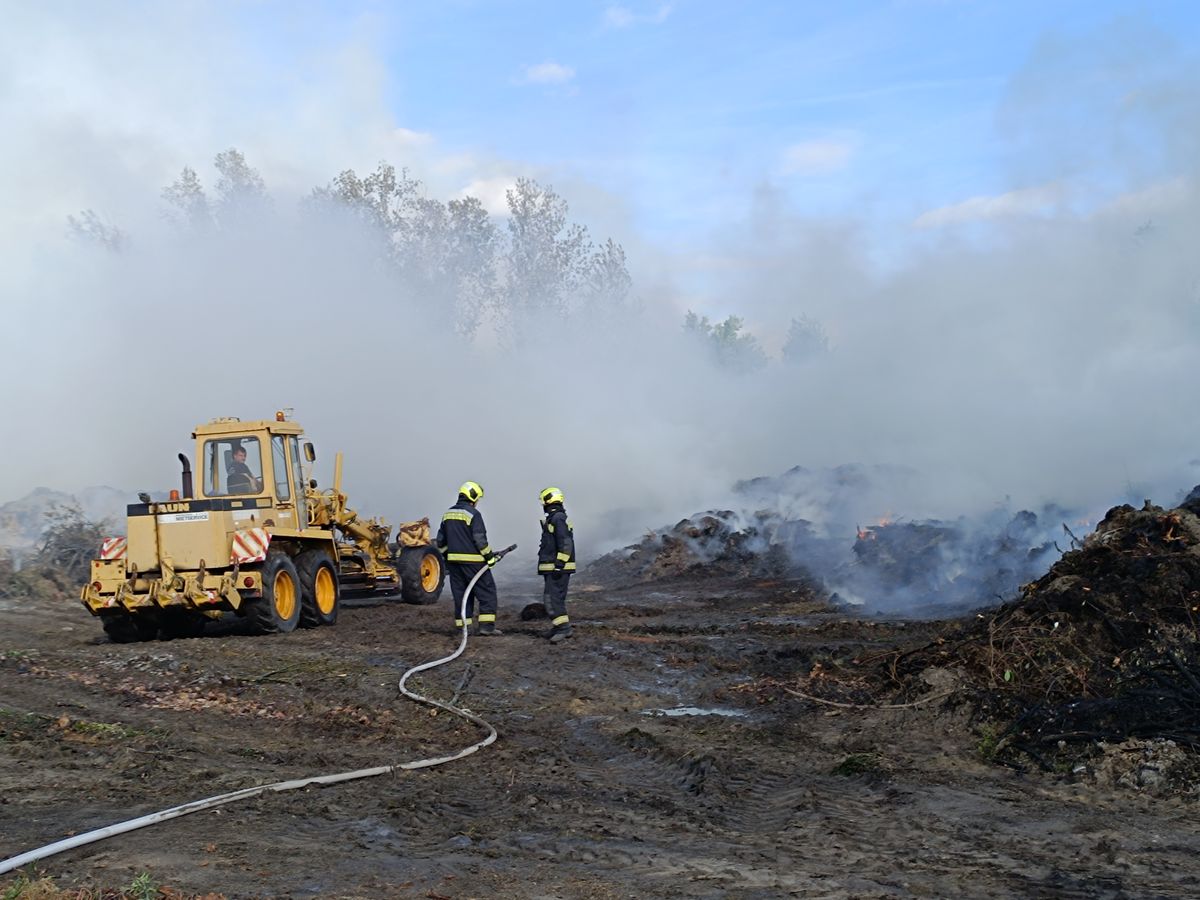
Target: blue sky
681,114
684,108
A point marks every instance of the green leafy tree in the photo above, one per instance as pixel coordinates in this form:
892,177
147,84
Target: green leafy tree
443,252
240,199
608,280
725,343
381,199
187,204
470,261
806,340
548,258
241,192
454,256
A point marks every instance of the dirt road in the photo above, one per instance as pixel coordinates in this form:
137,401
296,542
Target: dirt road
633,761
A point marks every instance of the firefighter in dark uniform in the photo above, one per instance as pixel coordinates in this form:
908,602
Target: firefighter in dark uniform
556,561
462,539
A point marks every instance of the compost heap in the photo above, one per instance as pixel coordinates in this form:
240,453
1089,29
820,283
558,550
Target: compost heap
1101,648
928,568
712,544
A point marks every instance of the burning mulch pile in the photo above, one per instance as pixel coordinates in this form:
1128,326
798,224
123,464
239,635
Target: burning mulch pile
938,566
1103,648
716,543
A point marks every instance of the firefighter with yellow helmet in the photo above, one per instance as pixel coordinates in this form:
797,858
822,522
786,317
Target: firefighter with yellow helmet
556,561
463,542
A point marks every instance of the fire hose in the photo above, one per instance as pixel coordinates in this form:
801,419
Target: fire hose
175,812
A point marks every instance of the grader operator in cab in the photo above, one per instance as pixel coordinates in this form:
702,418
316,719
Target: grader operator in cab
239,479
257,540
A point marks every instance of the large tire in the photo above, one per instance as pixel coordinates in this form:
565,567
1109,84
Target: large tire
320,594
277,611
126,629
179,623
422,574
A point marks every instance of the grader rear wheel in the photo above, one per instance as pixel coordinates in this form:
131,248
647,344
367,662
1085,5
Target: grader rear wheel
181,624
319,590
277,611
126,629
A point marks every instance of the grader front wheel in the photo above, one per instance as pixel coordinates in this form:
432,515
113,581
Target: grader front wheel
422,574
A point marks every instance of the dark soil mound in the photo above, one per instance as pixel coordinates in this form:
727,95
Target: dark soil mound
712,544
1102,647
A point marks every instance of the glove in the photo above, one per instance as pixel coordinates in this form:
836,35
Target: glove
560,567
492,560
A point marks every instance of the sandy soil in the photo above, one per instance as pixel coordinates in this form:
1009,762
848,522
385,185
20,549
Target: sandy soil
591,790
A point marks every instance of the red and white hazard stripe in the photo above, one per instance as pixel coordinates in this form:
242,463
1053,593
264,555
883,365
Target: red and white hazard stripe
250,545
113,548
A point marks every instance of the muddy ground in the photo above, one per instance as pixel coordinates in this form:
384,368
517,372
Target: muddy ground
591,790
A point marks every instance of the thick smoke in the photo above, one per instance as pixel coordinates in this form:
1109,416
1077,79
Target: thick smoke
1012,363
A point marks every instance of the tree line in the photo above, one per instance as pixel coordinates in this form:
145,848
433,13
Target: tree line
535,269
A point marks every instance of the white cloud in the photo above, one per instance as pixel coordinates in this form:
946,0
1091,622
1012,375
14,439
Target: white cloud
817,157
1042,200
623,17
491,192
547,73
407,139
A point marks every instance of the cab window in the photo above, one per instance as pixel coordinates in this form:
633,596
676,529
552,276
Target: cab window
283,487
232,465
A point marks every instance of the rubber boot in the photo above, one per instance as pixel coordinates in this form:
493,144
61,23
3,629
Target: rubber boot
488,629
558,635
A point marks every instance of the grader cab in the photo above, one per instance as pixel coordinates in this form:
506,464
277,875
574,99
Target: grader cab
255,539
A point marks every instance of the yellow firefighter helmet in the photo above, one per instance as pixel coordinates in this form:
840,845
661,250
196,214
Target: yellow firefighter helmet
471,490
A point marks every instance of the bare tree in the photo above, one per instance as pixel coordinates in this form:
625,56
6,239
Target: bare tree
62,561
91,228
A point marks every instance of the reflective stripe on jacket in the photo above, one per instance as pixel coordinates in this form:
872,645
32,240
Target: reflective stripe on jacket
557,550
462,537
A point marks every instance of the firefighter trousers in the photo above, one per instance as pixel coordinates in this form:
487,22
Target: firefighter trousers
484,592
555,598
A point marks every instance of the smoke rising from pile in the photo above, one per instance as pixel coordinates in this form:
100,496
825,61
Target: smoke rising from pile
1020,360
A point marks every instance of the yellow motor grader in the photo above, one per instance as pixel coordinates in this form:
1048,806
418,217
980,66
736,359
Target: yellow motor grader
256,540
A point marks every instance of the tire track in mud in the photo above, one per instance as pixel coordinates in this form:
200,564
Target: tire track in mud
640,802
584,794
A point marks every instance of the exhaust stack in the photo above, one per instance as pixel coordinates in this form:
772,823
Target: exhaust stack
187,477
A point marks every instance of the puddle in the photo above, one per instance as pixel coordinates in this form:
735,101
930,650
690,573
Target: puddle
696,711
797,621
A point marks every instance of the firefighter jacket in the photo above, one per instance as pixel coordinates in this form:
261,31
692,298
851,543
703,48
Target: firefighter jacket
462,537
557,550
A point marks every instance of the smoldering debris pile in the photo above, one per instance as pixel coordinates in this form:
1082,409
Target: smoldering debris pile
936,566
1103,647
803,524
713,544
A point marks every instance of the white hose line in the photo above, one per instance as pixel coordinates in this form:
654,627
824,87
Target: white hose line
175,812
